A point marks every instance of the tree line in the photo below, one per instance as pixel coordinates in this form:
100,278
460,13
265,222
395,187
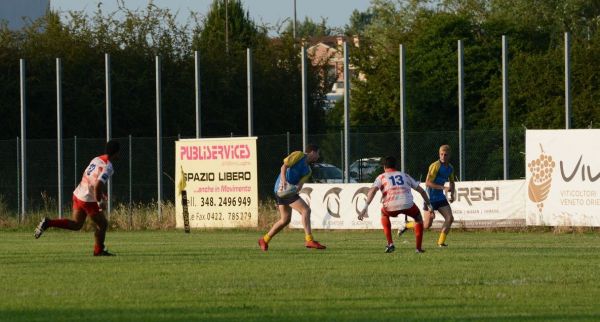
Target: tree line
429,30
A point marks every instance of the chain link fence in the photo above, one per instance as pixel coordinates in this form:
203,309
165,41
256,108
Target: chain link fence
135,178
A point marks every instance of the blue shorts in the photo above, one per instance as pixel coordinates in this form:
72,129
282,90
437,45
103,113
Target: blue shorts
437,204
287,200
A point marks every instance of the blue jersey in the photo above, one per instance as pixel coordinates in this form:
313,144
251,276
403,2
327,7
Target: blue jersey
439,174
298,170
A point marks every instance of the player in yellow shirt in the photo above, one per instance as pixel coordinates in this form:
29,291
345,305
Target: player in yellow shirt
295,171
440,172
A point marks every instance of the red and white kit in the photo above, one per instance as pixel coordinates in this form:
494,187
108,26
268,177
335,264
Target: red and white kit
99,169
396,189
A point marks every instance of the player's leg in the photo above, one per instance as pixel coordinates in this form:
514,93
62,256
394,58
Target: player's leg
285,213
387,231
415,214
446,212
100,234
428,218
301,207
77,221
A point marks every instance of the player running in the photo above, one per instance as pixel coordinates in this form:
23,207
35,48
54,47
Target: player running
439,173
89,200
296,171
397,199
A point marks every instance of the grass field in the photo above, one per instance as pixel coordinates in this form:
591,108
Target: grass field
223,276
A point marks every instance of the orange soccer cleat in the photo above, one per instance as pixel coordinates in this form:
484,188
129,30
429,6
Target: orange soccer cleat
263,244
314,244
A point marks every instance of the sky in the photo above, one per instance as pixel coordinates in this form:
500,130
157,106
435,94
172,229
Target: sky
269,12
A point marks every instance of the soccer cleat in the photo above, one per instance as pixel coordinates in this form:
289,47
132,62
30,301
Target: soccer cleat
390,248
41,227
104,252
314,244
419,251
263,244
442,245
401,230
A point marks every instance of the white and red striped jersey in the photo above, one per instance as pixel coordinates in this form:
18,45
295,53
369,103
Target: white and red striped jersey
396,189
99,169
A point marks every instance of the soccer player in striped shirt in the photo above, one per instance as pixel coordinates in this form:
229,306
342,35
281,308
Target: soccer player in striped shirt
396,188
89,200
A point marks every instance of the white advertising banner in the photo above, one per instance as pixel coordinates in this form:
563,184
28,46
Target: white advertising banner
563,177
478,204
221,182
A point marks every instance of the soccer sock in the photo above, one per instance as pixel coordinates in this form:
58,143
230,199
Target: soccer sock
410,225
419,234
387,228
442,238
98,249
308,237
59,223
266,238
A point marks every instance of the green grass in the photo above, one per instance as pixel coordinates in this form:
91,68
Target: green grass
223,276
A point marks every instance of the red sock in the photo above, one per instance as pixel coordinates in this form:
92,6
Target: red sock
98,249
387,228
59,223
419,234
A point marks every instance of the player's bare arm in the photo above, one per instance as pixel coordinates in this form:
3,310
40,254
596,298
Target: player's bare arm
426,199
283,182
99,193
370,196
452,192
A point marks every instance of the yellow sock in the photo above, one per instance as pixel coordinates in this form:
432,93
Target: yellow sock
442,238
410,225
308,237
266,237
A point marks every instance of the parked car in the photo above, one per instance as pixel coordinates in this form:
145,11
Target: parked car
361,170
328,173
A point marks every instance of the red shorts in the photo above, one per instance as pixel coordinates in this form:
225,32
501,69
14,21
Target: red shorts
90,208
412,211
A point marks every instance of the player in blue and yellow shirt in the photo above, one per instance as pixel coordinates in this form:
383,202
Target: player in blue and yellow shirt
295,171
439,173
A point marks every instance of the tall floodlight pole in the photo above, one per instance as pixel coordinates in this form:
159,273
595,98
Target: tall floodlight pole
567,81
108,120
250,98
304,99
23,139
505,104
461,110
294,22
59,140
158,138
197,87
227,27
402,111
346,113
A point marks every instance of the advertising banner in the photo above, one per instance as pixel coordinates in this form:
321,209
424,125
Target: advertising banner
563,177
220,182
478,204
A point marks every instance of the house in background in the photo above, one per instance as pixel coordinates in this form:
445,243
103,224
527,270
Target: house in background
18,13
329,51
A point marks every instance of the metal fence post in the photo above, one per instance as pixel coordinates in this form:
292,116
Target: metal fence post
346,113
108,123
505,105
59,146
402,111
158,138
23,139
461,111
250,98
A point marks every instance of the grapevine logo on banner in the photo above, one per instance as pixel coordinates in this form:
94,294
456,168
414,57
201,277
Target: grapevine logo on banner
220,180
563,177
